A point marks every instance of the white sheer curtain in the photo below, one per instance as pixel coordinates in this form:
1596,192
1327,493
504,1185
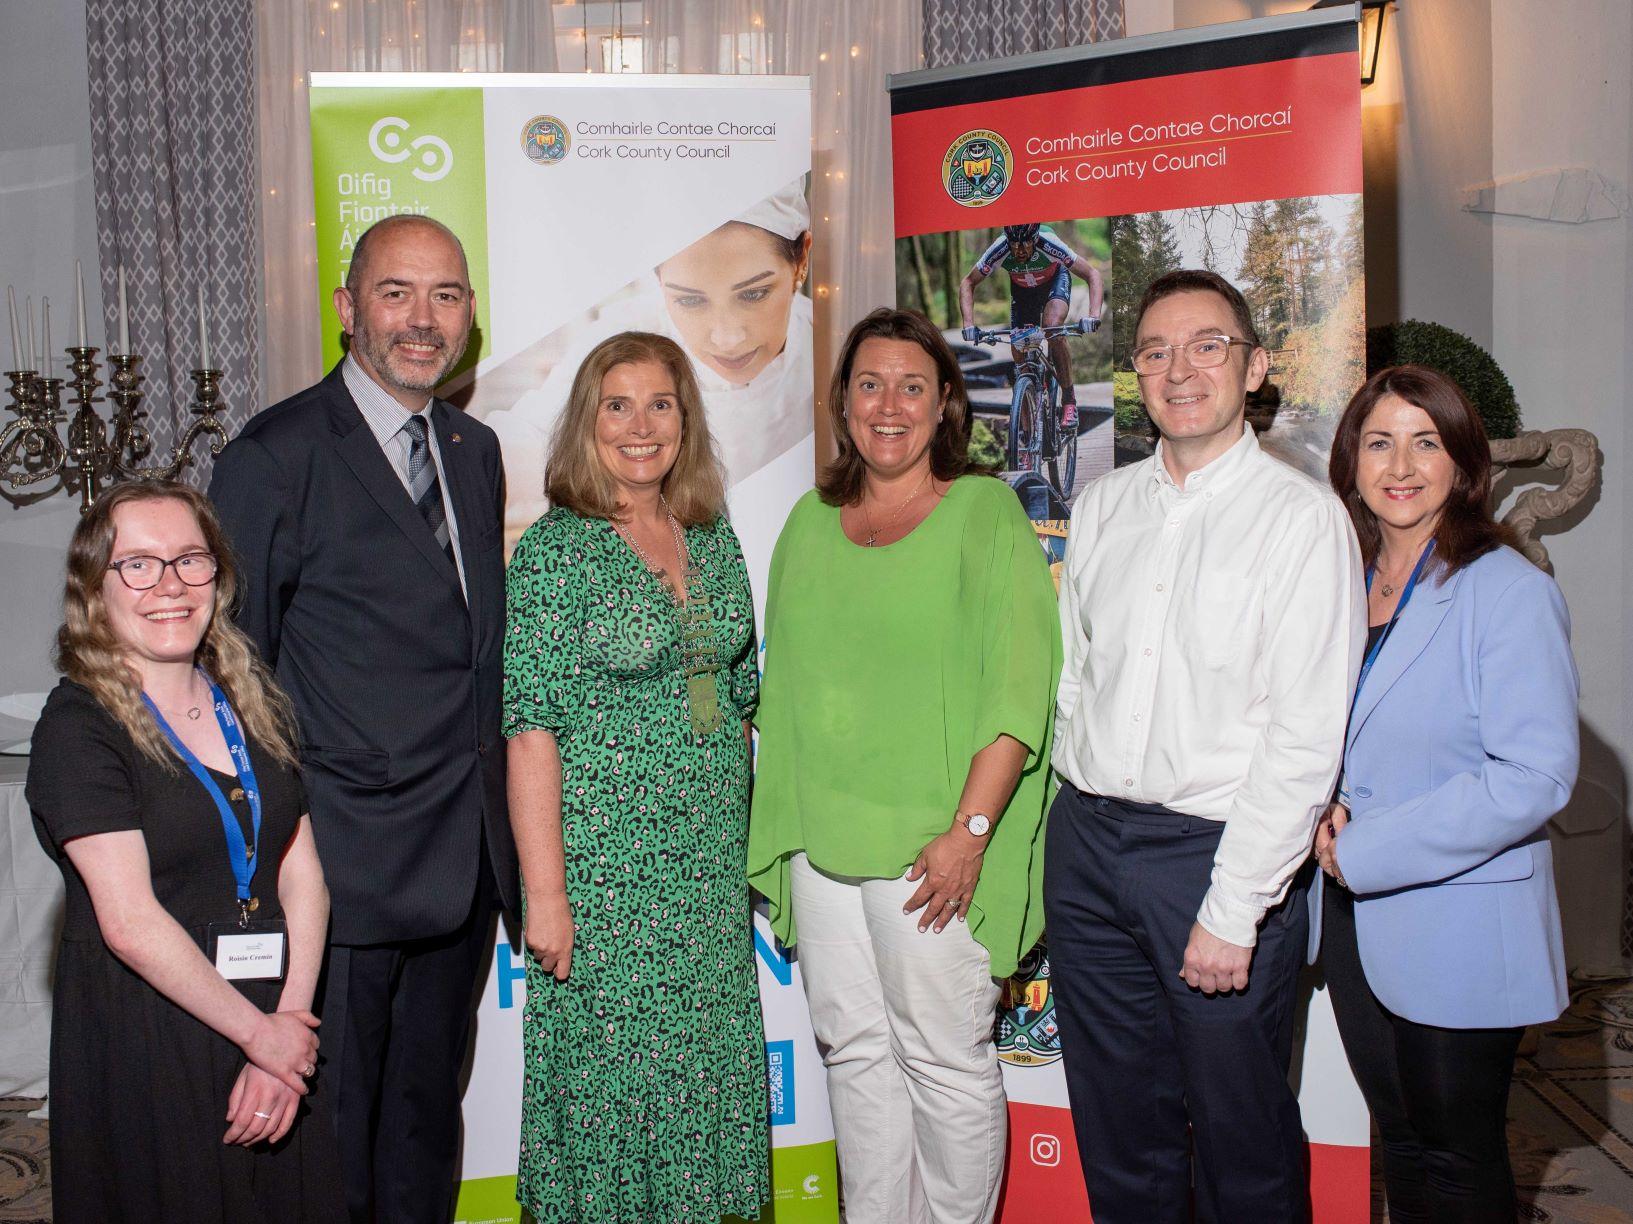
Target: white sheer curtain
846,46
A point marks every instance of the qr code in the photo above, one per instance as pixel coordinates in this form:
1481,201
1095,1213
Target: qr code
779,1062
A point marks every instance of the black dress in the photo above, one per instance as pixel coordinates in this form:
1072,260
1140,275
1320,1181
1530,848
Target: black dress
138,1086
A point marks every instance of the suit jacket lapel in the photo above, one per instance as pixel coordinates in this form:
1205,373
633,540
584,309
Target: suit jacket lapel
357,446
463,471
1411,635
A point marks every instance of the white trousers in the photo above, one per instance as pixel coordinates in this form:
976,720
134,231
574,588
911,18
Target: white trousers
904,1021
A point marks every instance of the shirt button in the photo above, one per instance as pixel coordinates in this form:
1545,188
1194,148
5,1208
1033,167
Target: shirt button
1173,522
1128,781
1148,652
1159,586
1136,718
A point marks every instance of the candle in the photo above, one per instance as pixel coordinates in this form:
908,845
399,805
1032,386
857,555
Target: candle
203,335
33,354
45,332
124,314
16,337
79,298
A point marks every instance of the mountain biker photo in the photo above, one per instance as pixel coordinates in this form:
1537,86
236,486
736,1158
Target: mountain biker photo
1040,268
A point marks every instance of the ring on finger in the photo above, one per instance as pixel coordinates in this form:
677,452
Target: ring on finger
267,1116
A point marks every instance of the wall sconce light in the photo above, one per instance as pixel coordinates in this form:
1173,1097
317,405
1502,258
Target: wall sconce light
1372,32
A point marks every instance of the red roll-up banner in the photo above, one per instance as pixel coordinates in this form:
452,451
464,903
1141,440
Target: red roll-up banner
1235,148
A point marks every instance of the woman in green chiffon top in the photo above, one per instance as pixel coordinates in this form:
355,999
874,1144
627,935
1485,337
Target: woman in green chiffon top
912,651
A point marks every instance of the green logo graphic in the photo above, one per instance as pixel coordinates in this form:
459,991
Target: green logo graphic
381,152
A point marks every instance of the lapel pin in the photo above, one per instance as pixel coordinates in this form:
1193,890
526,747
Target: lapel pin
453,437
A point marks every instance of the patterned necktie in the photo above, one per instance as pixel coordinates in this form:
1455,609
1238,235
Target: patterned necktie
423,486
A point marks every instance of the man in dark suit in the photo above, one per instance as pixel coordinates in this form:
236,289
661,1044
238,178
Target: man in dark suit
366,516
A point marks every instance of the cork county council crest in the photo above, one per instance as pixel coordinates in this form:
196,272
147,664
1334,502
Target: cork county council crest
1028,1035
977,167
545,140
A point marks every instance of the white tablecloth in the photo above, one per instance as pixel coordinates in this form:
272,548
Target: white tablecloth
31,907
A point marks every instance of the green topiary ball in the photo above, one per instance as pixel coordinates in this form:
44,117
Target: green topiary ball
1457,357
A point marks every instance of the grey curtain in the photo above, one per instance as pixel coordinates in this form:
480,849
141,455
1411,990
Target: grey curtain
173,153
958,32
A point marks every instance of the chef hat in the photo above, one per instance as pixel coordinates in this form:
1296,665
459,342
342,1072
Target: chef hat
784,213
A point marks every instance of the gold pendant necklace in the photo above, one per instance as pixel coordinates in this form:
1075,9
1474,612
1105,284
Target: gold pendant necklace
875,532
1388,588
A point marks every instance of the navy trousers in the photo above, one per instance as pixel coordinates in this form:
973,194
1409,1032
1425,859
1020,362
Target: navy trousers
395,1037
1180,1100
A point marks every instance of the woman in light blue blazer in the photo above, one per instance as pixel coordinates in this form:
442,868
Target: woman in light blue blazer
1441,937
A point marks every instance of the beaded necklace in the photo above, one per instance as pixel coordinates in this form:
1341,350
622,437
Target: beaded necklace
700,658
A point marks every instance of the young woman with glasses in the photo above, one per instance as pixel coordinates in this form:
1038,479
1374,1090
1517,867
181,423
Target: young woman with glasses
163,782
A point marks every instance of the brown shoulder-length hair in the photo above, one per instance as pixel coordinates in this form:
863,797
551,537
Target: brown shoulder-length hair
1466,529
89,653
841,481
575,477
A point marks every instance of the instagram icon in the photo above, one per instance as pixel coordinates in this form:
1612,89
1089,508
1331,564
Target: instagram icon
1045,1150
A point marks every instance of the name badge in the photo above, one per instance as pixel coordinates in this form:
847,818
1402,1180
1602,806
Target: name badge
254,953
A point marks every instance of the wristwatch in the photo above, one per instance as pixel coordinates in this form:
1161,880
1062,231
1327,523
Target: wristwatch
977,823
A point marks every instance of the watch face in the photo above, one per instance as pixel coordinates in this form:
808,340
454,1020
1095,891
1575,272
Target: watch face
979,825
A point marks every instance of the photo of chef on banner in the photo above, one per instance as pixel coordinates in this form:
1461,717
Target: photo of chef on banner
736,302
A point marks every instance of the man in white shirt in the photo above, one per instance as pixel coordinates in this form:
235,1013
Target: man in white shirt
1213,617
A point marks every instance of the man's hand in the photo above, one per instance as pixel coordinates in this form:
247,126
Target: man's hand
972,334
1212,965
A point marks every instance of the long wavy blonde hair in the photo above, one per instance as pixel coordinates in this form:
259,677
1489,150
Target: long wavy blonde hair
89,653
576,478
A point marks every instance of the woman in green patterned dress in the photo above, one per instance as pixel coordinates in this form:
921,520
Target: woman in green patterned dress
630,675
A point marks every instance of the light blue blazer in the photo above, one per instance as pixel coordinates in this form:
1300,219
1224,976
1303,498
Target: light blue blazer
1461,746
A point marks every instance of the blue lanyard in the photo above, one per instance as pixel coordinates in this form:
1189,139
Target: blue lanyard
241,857
1406,596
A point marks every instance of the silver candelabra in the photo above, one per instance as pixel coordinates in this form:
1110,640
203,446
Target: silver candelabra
94,452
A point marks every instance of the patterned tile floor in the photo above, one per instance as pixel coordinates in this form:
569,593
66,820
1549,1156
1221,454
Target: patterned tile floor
25,1167
1570,1123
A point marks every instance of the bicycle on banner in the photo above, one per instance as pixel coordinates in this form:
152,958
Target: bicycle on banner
1042,437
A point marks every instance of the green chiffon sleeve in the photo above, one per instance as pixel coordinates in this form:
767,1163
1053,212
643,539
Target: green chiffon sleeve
1019,646
1019,633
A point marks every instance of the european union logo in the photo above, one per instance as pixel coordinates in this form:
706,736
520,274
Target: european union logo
779,1065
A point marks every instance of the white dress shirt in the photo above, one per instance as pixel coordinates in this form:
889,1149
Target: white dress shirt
387,421
1212,638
